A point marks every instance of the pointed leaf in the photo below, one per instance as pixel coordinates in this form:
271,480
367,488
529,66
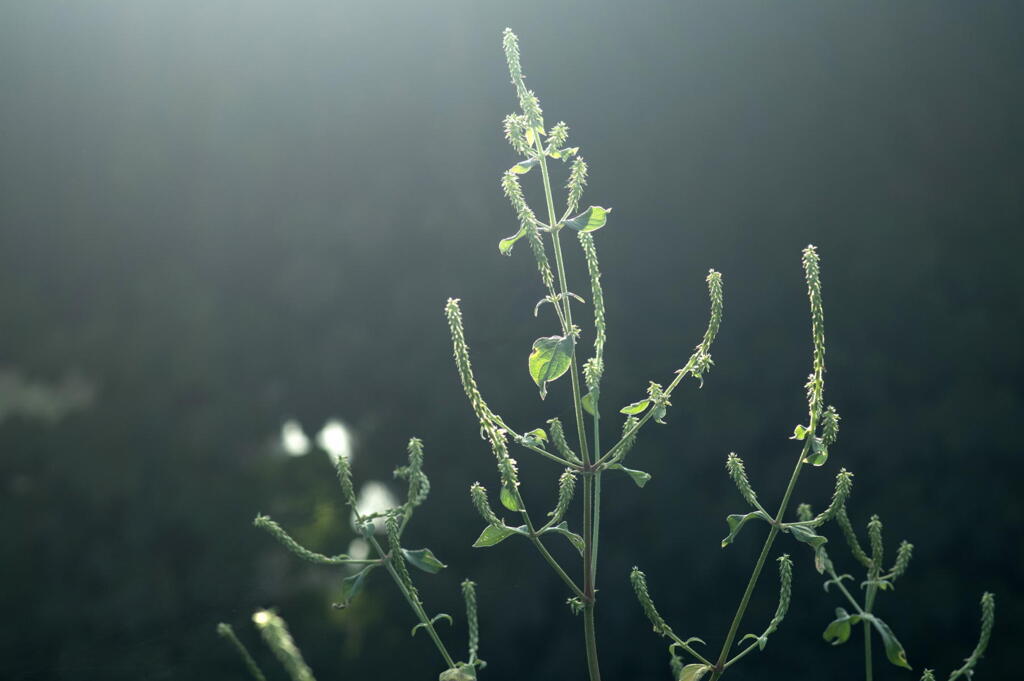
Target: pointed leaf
506,244
893,649
564,153
562,528
524,166
799,433
352,585
588,404
639,477
806,535
492,535
635,408
838,631
550,359
736,521
508,499
693,672
818,454
590,220
538,434
424,559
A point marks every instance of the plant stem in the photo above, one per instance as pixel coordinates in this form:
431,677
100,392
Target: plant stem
869,603
589,512
416,607
535,539
723,656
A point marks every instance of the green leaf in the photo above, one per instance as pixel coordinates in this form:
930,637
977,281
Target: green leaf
352,585
550,358
799,433
693,672
736,521
524,166
893,649
564,153
806,535
635,408
838,631
424,559
508,499
588,404
818,454
493,534
506,244
639,477
589,220
659,414
562,528
537,434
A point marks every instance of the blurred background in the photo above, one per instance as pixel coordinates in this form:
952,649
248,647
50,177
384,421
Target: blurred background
228,230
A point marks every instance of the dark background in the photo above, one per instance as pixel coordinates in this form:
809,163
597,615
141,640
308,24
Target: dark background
216,216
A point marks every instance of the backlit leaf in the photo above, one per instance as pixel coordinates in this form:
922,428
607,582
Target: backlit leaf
424,559
524,166
838,631
639,477
508,499
493,534
636,407
736,521
352,585
550,358
590,220
506,244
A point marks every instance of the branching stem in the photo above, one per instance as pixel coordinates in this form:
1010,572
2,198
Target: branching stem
723,656
413,603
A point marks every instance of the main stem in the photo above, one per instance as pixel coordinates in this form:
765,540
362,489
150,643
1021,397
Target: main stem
589,510
723,656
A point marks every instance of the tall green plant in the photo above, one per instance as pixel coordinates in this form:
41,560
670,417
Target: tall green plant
583,462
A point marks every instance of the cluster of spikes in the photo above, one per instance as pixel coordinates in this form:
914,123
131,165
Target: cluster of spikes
878,578
821,433
389,555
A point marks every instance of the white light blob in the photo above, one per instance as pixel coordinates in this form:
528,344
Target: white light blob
336,439
358,549
293,439
374,497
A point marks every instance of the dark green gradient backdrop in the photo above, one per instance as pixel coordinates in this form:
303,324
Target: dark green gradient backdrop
228,214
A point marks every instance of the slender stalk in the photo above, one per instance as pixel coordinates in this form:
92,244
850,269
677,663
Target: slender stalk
867,651
535,539
869,603
589,512
416,607
723,656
